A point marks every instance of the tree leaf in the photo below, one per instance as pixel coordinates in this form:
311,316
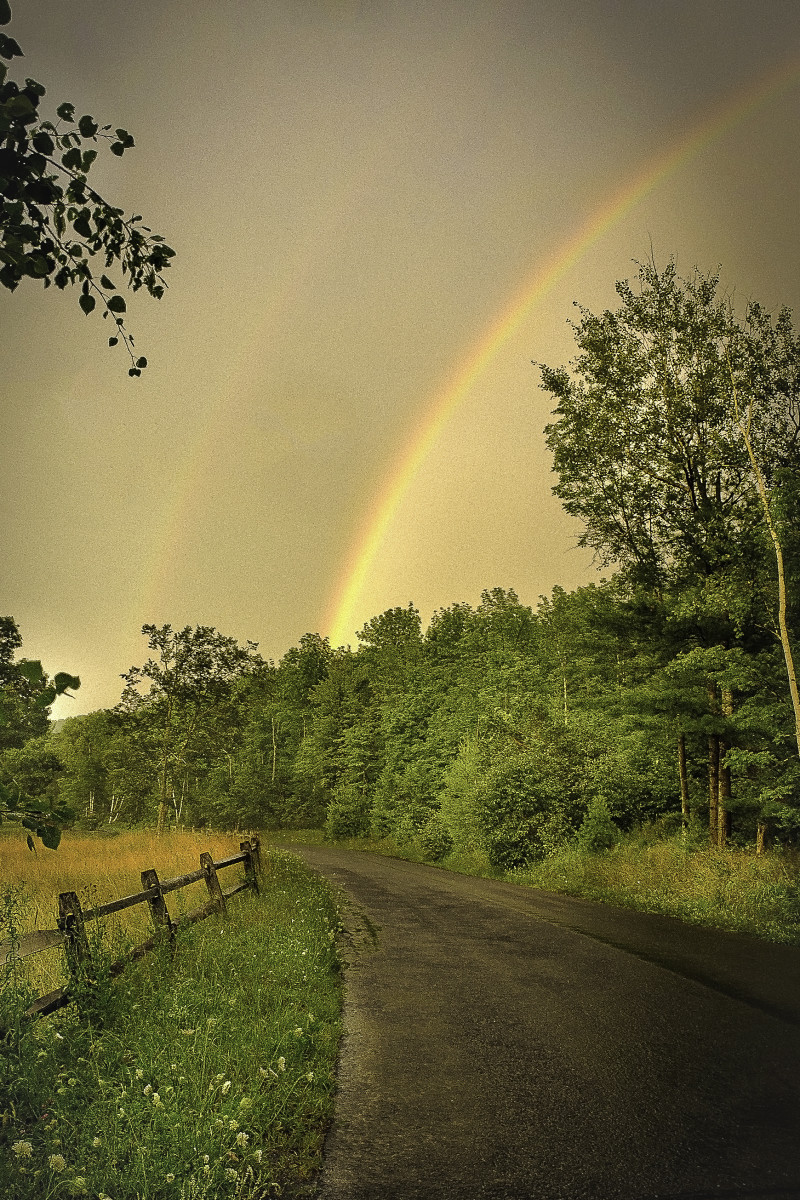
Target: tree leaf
141,362
87,303
5,12
81,224
116,304
43,142
87,126
50,835
113,341
63,680
9,48
108,283
66,112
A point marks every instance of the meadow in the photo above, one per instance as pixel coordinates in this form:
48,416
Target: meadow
209,1072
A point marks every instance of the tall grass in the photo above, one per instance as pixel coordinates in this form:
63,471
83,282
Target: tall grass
101,868
209,1073
727,889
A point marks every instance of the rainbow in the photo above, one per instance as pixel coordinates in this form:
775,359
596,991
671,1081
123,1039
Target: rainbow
719,120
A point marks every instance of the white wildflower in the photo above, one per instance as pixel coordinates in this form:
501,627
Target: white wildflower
97,1142
310,1076
297,1031
233,1124
226,1087
77,1186
206,1169
56,1162
258,1155
242,1139
148,1087
139,1073
281,1064
22,1149
156,1100
170,1177
205,1158
229,1171
245,1102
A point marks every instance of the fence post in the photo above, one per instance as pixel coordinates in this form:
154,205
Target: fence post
249,865
256,844
70,923
158,905
212,883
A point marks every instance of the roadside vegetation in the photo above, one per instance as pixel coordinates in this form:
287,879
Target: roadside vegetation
209,1073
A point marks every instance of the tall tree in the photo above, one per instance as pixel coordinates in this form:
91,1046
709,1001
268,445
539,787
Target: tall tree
189,683
649,453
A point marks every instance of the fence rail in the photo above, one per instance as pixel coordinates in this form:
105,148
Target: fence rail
70,933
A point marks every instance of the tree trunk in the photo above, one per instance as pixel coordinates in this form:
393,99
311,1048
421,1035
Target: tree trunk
762,835
713,772
684,785
723,811
783,629
713,788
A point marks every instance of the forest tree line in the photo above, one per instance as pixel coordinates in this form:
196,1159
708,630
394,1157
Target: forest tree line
666,691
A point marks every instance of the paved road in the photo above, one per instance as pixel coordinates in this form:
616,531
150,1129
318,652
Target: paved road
508,1044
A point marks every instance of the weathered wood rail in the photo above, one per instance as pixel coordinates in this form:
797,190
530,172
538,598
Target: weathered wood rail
70,933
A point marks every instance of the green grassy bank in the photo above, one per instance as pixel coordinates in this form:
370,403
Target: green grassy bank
209,1073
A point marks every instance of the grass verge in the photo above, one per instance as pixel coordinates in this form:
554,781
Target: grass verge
209,1073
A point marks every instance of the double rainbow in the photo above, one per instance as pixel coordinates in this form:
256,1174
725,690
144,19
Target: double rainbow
718,121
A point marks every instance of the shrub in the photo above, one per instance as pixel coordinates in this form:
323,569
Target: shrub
348,814
598,831
526,811
434,839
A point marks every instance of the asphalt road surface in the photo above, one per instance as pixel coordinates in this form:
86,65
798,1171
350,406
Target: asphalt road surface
503,1043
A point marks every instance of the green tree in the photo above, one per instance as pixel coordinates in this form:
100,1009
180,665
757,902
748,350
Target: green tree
649,453
53,223
189,702
26,694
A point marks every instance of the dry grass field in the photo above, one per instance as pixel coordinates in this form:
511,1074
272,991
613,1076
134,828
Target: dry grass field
101,868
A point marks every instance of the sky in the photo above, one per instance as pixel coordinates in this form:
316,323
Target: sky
383,212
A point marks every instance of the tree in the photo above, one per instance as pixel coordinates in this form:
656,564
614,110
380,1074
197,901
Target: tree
25,696
650,451
52,222
191,685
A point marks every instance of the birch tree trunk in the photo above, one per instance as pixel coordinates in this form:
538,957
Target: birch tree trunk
783,628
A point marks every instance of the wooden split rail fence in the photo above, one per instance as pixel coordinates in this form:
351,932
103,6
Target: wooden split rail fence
71,931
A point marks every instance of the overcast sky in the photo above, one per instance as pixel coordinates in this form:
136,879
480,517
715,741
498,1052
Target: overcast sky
355,191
